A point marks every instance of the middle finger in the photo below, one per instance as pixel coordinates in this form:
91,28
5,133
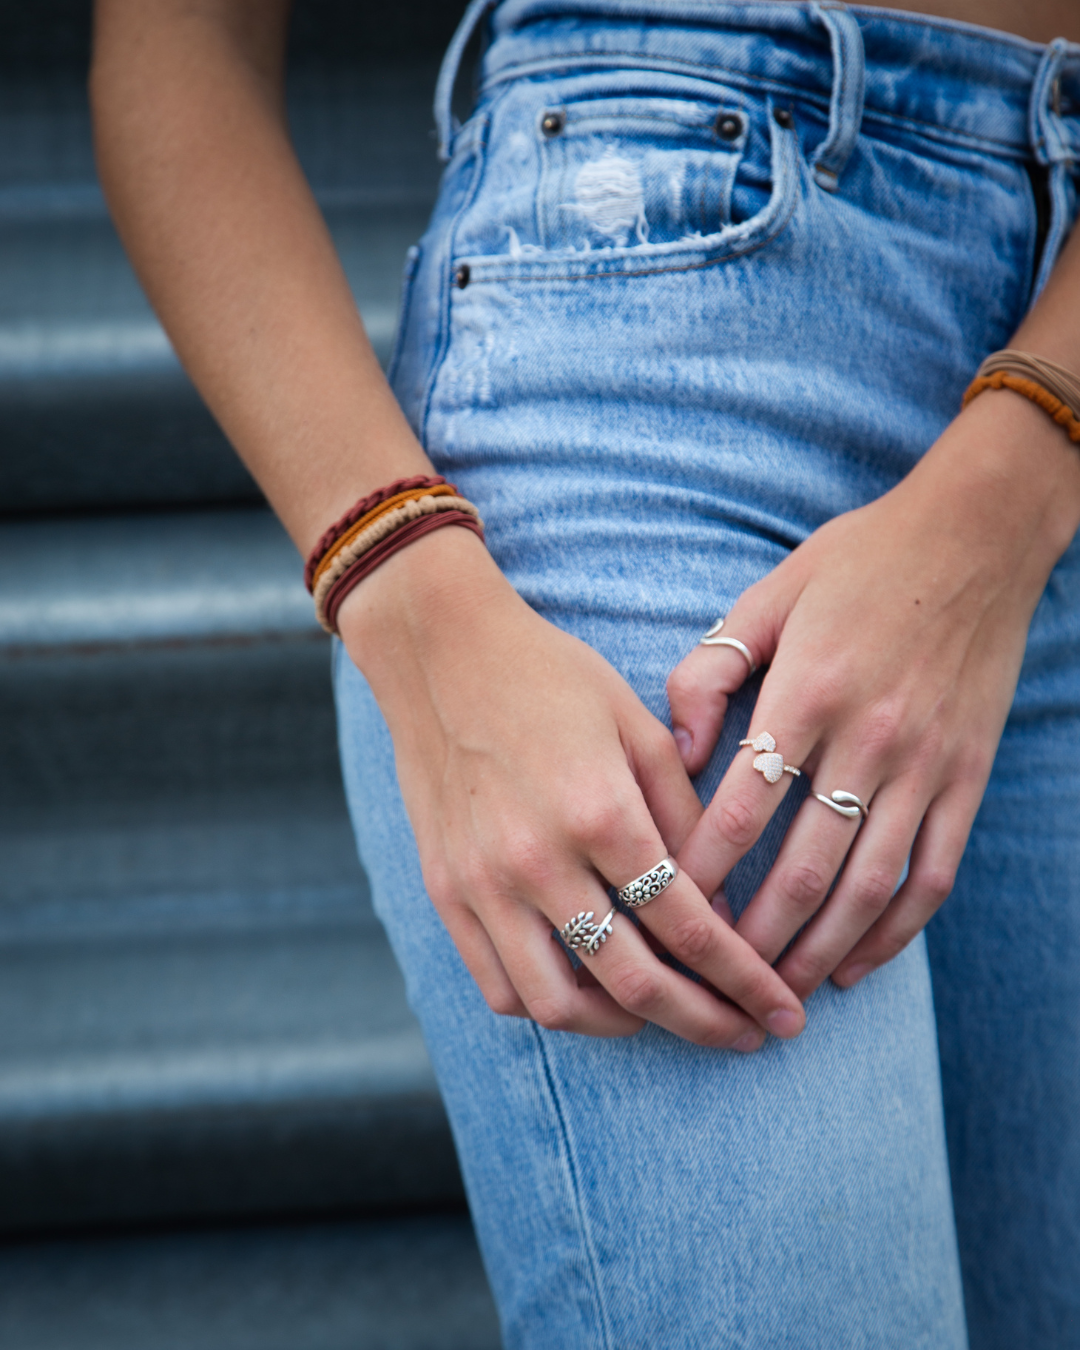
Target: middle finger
747,797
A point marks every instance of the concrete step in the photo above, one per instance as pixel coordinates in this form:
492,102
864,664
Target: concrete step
199,1014
395,1284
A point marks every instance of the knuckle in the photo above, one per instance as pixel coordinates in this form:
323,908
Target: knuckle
440,888
638,990
881,731
527,861
552,1013
598,824
686,684
935,882
735,821
873,890
973,764
691,939
821,695
803,885
503,1002
661,750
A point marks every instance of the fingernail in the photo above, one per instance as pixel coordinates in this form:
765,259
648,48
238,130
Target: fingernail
685,742
752,1040
854,974
720,906
784,1023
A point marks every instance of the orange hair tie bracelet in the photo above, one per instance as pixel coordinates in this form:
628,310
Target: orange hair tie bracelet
374,529
1052,387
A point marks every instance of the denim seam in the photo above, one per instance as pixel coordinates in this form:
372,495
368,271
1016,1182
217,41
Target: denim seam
575,1189
477,148
568,60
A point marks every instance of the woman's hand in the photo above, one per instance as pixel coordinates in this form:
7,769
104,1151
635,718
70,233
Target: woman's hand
534,777
895,635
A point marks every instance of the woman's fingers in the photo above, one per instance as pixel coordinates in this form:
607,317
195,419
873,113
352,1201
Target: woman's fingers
544,980
632,984
482,961
627,847
800,879
746,800
661,776
865,888
699,686
935,858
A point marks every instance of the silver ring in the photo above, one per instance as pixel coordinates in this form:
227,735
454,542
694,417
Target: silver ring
649,885
709,641
768,762
581,933
845,804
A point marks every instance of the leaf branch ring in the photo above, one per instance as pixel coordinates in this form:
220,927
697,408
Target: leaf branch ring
768,762
581,933
844,804
711,640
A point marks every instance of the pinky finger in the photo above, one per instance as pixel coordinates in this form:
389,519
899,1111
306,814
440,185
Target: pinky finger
482,961
935,858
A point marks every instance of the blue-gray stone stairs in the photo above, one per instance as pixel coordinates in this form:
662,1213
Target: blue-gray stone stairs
218,1123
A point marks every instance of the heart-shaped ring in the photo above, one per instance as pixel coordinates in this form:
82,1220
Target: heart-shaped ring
768,762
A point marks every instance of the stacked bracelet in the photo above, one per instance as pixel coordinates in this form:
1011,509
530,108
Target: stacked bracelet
374,529
1055,389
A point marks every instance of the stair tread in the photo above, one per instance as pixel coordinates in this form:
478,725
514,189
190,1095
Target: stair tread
393,1284
162,577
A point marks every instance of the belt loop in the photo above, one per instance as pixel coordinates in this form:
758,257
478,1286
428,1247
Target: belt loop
1052,147
848,91
445,122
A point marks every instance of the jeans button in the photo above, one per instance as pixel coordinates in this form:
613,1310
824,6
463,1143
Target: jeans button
552,123
728,127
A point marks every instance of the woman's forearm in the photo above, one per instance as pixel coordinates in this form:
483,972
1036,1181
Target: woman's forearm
226,237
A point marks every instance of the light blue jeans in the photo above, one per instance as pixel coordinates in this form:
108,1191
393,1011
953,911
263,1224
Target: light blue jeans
659,334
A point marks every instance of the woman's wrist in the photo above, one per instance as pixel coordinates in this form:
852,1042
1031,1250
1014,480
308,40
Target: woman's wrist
1005,482
421,605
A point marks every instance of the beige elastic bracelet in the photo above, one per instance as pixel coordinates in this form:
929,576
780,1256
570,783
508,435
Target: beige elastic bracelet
378,530
1055,379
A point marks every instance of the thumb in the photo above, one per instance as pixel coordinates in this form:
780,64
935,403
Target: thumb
700,685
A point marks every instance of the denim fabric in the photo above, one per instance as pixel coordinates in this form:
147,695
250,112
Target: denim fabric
659,336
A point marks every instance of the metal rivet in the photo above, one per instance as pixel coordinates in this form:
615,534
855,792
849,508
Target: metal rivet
728,127
552,123
461,276
784,118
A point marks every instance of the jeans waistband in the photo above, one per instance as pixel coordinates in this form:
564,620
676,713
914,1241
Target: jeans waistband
939,77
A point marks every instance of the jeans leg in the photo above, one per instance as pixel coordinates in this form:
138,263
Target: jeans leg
647,1193
1006,959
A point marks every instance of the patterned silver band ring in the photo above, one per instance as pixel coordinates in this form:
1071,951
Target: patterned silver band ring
649,885
580,933
740,647
845,804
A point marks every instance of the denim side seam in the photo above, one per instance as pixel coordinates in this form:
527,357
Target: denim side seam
408,278
574,1187
476,147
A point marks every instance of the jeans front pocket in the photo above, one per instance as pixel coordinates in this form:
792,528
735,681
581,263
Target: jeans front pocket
587,177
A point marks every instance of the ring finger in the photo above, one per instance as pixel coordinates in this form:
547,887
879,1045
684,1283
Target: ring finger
805,869
867,884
